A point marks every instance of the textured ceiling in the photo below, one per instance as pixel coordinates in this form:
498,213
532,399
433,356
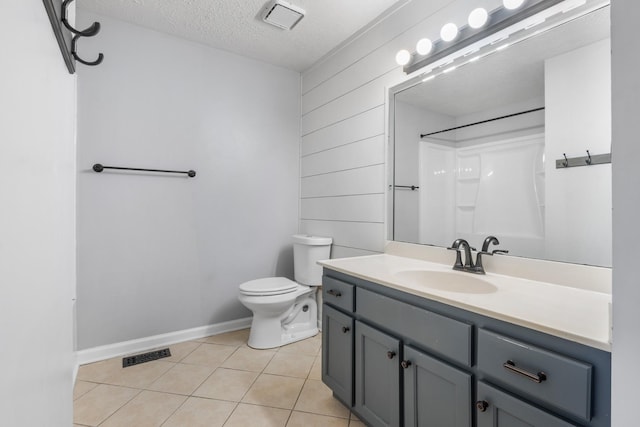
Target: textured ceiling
236,25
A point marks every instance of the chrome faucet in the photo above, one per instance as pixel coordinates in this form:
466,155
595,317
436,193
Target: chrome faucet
469,266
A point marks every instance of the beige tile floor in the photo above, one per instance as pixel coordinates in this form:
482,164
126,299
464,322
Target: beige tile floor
214,381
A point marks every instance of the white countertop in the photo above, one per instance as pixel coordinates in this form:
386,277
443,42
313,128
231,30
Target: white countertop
579,315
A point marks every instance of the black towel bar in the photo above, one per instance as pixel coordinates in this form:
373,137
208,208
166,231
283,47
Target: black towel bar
99,168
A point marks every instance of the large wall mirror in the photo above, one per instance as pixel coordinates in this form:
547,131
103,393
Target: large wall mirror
480,149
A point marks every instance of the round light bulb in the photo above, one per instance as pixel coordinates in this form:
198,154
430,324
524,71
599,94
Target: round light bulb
478,17
403,57
449,32
512,4
424,46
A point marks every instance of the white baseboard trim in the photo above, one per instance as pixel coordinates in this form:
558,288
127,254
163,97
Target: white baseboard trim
103,352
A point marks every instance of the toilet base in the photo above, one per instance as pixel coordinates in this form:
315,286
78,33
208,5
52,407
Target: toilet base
285,339
260,341
271,332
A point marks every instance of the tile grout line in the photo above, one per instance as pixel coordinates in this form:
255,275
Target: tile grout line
251,385
175,410
122,406
236,404
190,395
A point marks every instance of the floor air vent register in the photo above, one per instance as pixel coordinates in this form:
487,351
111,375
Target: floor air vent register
145,357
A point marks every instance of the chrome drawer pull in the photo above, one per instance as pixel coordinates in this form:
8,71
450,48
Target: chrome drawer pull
536,378
334,293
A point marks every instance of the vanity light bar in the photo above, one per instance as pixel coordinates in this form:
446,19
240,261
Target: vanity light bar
499,20
552,20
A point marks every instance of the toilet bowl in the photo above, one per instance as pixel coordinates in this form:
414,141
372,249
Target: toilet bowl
285,311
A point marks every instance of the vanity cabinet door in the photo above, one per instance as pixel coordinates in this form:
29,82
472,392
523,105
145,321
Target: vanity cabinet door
337,353
435,393
498,409
377,375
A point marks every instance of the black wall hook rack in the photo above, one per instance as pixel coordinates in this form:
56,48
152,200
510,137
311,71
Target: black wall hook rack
67,40
588,160
74,40
99,168
89,32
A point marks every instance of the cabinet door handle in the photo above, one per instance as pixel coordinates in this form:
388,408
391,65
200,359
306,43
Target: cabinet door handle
391,354
335,293
482,405
536,378
405,364
345,329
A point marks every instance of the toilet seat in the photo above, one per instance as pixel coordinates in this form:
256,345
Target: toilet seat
268,286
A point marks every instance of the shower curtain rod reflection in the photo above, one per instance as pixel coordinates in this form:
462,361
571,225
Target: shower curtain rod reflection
481,122
99,168
410,187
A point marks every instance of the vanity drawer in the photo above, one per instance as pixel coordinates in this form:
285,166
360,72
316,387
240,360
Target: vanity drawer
537,374
442,335
337,293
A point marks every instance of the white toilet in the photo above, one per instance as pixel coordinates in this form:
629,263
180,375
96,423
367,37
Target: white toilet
285,311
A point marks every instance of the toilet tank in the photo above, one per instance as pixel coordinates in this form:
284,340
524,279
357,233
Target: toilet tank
307,250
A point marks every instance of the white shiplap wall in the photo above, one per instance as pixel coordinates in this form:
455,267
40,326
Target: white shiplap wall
343,151
339,74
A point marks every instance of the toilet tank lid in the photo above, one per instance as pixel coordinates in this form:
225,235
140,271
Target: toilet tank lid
306,239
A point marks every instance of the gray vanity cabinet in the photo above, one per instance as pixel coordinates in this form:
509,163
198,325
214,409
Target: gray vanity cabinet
435,393
394,384
399,360
377,376
337,353
498,409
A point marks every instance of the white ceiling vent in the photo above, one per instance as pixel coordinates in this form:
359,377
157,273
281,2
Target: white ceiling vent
282,14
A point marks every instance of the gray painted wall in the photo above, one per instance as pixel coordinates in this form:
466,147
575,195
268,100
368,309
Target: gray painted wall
159,254
37,221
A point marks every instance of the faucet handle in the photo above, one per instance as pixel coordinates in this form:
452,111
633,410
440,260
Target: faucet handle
492,253
454,248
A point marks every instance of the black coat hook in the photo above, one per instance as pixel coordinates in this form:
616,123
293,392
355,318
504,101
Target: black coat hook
566,161
588,161
75,55
89,32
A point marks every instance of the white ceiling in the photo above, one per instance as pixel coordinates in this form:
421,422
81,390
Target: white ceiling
237,26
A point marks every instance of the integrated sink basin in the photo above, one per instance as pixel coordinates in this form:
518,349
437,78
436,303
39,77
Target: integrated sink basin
447,281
